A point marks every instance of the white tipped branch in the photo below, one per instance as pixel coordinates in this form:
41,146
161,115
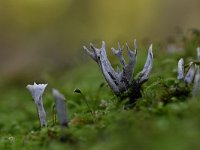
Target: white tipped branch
198,53
196,82
120,81
119,54
190,75
180,69
37,91
144,74
128,70
60,103
100,56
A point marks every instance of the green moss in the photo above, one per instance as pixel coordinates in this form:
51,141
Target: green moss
165,117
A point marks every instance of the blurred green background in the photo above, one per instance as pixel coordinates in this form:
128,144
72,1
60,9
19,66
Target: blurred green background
43,35
41,40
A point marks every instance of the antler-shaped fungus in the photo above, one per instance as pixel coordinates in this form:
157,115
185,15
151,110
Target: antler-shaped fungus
122,82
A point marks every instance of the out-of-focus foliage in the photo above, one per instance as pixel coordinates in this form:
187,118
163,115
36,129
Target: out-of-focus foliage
47,34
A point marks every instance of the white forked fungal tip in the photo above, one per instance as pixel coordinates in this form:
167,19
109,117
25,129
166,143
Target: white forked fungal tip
196,82
36,90
135,44
85,48
181,63
198,53
180,69
103,44
127,46
151,48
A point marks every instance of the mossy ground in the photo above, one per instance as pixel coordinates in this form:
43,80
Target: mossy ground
159,119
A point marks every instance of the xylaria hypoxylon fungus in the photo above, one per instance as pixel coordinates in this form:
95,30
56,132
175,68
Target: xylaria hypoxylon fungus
122,81
192,75
60,103
37,91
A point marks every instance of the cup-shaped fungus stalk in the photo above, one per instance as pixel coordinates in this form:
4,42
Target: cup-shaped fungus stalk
37,91
122,82
60,103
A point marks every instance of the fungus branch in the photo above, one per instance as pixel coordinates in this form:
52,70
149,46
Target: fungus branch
192,75
121,81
